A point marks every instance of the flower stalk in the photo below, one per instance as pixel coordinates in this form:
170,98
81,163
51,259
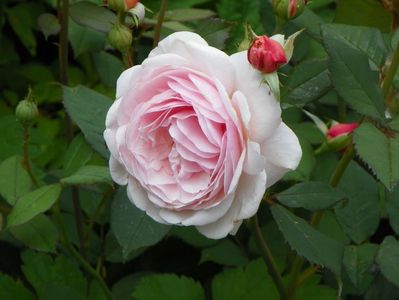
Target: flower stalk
158,27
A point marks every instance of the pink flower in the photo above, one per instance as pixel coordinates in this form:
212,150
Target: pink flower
266,54
196,137
341,129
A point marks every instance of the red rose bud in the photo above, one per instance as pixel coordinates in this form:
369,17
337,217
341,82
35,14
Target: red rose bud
288,9
266,55
341,129
121,5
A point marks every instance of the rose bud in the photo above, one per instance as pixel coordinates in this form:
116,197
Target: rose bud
288,9
266,54
26,111
341,129
121,5
120,37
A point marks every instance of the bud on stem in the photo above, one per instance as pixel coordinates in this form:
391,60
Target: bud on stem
26,111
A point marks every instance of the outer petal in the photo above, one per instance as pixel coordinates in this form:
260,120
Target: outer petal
254,161
118,171
209,60
111,119
283,153
126,80
265,110
222,227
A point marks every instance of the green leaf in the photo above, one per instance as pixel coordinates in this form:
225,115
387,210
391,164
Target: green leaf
132,227
306,165
88,109
311,22
85,39
33,203
40,233
123,289
392,207
394,124
352,77
13,290
251,282
48,24
388,259
191,236
77,155
358,261
307,241
310,195
188,14
313,289
362,194
96,292
10,139
92,15
225,253
57,278
89,175
308,82
168,287
380,152
108,67
215,32
14,180
368,40
22,18
363,12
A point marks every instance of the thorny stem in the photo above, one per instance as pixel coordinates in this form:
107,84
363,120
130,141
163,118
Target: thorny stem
268,258
158,27
63,13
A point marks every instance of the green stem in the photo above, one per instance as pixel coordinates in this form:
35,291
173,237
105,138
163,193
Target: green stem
26,160
268,258
63,14
158,27
83,263
390,74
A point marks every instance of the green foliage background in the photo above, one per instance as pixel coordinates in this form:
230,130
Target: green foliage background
329,235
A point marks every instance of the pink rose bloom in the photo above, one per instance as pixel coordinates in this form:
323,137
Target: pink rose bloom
196,137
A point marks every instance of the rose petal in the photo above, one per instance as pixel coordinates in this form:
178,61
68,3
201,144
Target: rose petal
118,171
254,162
249,193
283,153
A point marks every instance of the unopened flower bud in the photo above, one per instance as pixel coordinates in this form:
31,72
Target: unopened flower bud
289,9
341,129
121,5
138,13
26,111
266,54
120,37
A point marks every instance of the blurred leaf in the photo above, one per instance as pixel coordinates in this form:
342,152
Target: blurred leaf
168,287
388,259
380,152
225,253
382,289
39,233
311,196
48,24
308,82
13,290
363,12
215,32
33,203
92,15
88,109
308,131
89,175
188,14
77,155
313,290
392,207
108,67
251,282
30,71
123,289
307,241
394,124
14,180
154,5
358,261
22,18
311,22
352,77
96,292
132,227
114,252
368,40
57,278
359,216
10,139
84,39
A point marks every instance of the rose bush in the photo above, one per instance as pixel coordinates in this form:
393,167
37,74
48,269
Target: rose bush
196,137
